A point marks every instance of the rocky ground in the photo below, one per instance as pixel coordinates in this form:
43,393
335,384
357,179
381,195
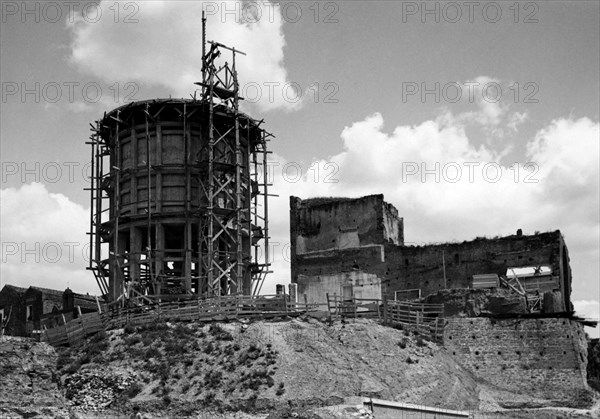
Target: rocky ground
279,369
28,381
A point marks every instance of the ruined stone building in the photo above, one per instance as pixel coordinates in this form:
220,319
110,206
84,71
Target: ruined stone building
356,247
508,316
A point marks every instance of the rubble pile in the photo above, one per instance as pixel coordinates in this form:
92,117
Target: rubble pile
357,412
94,390
342,411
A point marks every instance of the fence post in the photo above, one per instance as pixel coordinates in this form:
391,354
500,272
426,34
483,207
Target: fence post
328,306
385,303
66,330
98,303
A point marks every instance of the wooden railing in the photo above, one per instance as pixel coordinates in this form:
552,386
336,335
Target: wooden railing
427,319
211,309
354,307
74,331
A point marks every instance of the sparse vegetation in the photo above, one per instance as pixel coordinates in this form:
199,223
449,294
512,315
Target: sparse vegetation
280,389
133,390
219,333
176,359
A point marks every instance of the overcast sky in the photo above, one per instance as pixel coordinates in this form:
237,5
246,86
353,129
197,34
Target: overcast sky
473,118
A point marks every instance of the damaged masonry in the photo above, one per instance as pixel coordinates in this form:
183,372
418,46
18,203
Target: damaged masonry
501,306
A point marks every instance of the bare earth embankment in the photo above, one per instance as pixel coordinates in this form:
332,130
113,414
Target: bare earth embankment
265,369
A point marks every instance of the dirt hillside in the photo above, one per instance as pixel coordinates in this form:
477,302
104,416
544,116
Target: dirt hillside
265,369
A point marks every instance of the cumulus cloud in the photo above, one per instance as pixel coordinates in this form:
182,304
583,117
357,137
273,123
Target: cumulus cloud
487,93
43,239
163,47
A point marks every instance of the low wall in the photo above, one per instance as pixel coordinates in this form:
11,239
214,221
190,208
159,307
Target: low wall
544,358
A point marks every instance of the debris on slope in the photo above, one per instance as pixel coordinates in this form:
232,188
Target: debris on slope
364,358
94,390
29,386
287,368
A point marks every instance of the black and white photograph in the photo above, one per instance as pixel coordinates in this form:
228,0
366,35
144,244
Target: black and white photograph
304,209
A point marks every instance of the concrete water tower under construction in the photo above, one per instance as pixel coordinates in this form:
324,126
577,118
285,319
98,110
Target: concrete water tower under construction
179,194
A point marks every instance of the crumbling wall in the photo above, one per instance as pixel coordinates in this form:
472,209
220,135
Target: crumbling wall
393,225
423,266
333,223
333,235
478,302
544,358
323,225
328,235
593,367
367,258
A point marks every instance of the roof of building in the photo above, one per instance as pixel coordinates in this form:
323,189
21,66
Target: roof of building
328,200
19,290
88,297
47,291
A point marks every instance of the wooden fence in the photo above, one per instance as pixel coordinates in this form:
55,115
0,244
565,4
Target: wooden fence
354,307
427,319
212,309
74,331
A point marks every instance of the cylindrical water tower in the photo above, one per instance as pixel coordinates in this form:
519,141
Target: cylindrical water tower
179,196
152,196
